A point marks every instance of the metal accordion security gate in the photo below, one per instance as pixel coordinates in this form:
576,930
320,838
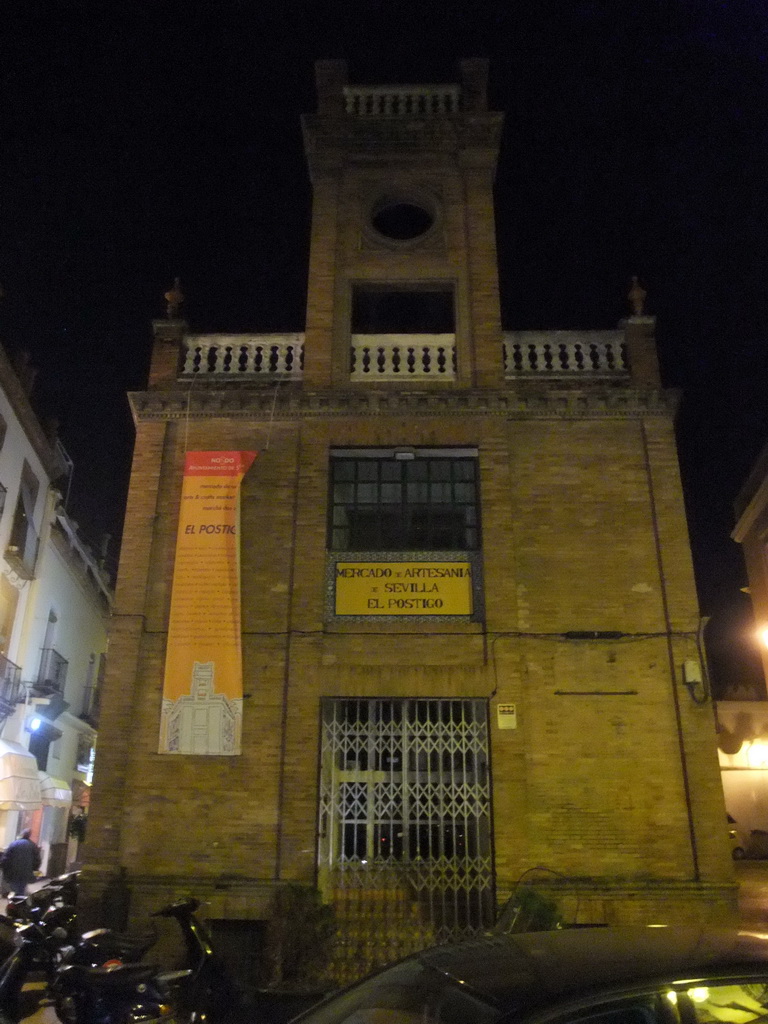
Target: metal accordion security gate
405,824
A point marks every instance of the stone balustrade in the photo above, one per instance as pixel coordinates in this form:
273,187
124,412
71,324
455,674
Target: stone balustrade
565,354
403,356
389,357
239,355
402,100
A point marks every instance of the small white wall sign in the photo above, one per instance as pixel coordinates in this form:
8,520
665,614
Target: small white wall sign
506,716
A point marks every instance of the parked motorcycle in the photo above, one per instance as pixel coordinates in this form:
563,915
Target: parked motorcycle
59,892
36,951
208,994
54,906
89,980
118,994
134,993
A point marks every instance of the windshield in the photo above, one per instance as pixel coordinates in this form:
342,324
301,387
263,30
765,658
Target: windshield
409,993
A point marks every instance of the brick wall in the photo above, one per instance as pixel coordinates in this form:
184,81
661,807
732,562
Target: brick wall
611,763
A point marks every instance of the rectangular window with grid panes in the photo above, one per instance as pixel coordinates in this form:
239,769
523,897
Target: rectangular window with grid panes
404,500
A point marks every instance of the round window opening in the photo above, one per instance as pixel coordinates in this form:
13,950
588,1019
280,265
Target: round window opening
401,221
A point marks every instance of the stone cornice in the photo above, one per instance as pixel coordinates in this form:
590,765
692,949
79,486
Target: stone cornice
291,402
93,583
327,138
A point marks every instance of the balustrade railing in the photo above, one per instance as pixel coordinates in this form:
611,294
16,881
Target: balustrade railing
565,354
227,356
91,704
10,686
402,100
53,671
406,356
403,356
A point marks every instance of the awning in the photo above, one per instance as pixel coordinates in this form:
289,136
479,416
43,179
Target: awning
19,782
54,792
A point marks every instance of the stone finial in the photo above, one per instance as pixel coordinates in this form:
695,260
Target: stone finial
636,296
174,297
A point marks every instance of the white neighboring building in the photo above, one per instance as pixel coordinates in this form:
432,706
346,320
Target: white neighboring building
54,607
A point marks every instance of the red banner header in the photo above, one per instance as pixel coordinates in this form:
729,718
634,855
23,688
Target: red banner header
218,463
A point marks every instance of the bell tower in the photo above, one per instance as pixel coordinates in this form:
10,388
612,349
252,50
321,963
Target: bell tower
403,282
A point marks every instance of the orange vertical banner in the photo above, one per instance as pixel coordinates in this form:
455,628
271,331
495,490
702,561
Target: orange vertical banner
203,684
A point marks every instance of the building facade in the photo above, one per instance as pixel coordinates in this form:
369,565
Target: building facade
751,532
468,622
743,724
54,602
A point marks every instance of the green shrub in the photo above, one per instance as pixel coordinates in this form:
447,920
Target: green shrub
77,827
299,939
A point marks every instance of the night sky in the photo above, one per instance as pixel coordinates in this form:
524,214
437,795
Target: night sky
157,138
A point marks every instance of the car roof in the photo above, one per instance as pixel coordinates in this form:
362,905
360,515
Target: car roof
530,969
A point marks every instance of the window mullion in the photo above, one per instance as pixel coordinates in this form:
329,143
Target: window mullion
404,507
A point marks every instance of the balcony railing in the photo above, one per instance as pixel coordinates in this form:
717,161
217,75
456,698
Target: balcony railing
402,100
93,691
91,704
53,672
565,354
403,356
10,686
392,357
228,356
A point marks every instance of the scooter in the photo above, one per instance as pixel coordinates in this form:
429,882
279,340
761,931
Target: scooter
58,892
118,994
208,994
89,982
53,907
132,993
200,992
35,951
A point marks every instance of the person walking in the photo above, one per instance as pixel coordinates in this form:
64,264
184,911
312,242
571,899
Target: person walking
19,863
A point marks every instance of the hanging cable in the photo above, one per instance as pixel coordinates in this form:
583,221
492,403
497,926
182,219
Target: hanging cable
272,415
186,417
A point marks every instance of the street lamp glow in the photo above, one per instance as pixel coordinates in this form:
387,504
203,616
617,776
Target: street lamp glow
763,636
757,754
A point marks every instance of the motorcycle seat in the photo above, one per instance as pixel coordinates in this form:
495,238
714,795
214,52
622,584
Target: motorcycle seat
118,976
131,947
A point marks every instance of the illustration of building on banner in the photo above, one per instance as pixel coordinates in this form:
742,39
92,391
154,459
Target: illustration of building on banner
202,721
